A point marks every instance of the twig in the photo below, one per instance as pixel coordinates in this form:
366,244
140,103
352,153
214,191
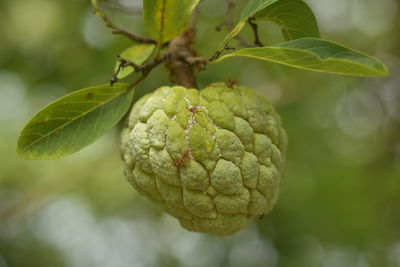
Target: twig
143,68
119,31
254,28
219,52
199,62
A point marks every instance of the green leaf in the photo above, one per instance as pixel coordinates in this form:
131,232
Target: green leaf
316,55
253,7
137,53
295,17
166,19
249,10
74,121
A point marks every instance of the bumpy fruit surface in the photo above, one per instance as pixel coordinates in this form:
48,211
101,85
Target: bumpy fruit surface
211,158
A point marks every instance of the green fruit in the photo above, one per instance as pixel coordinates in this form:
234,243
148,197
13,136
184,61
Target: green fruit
212,158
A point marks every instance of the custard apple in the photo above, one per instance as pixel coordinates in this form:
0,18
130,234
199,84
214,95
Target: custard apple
212,158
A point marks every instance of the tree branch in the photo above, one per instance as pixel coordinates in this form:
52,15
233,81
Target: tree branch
179,57
181,60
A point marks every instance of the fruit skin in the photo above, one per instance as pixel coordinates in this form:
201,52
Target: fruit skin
211,158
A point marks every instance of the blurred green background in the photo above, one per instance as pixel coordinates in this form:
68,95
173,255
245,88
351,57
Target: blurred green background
340,195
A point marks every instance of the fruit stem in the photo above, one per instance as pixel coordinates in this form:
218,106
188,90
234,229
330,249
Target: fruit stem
181,60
